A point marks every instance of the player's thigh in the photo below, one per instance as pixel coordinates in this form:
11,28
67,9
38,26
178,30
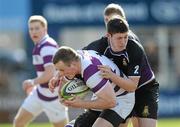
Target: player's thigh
126,123
135,121
147,107
23,117
61,123
55,111
125,105
100,122
121,111
86,119
112,117
33,104
147,122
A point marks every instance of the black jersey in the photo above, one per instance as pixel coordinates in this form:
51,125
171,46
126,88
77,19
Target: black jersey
98,45
132,61
102,44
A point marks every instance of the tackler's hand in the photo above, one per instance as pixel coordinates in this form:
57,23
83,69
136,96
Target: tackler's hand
106,71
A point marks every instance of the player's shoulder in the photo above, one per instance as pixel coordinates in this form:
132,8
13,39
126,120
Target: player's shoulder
99,41
134,47
51,40
49,44
133,36
49,47
134,43
98,45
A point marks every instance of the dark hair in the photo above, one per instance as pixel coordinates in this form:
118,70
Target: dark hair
117,25
66,55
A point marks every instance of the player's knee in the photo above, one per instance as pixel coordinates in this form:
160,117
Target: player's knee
70,124
18,122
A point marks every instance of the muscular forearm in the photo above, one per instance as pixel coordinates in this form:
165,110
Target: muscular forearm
105,99
42,79
46,76
98,104
125,83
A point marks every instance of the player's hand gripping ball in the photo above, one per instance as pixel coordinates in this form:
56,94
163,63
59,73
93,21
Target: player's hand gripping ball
75,87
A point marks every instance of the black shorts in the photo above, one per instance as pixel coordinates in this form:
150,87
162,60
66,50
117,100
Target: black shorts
88,118
146,101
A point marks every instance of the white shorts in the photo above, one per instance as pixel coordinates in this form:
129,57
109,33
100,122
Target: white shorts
125,104
54,110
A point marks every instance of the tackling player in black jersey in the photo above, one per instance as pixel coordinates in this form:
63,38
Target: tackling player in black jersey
134,63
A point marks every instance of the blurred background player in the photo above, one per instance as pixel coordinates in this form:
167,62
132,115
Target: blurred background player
40,98
112,103
132,59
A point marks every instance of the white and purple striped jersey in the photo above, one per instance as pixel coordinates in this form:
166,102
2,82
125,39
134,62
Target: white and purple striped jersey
42,56
91,74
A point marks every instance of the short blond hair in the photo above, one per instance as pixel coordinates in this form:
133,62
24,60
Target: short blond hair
38,18
114,9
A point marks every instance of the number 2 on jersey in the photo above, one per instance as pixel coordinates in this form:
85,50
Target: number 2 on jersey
136,71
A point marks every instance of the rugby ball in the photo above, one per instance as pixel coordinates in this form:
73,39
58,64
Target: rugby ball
73,87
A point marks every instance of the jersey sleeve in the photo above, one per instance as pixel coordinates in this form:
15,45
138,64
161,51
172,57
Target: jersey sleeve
93,79
47,53
139,65
136,61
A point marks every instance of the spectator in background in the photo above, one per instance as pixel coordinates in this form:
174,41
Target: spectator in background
39,97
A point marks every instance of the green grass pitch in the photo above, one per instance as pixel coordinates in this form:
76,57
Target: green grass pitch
161,123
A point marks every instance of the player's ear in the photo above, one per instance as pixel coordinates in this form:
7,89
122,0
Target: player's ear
108,35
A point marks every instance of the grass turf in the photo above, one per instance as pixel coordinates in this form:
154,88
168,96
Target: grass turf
161,123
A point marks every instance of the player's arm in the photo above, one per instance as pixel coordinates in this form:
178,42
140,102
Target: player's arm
46,76
106,99
46,53
56,80
129,84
